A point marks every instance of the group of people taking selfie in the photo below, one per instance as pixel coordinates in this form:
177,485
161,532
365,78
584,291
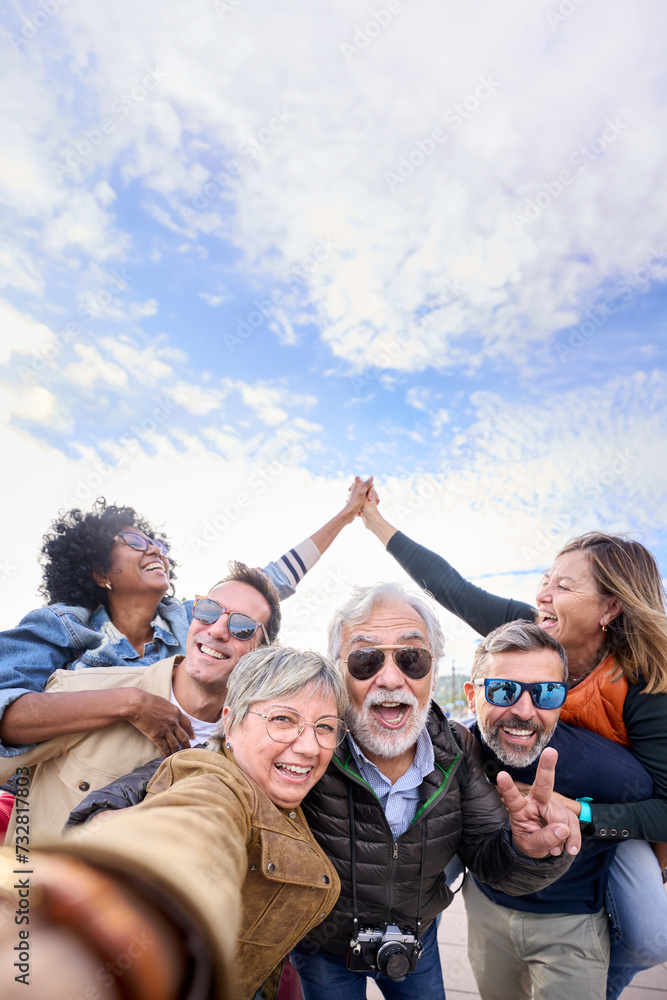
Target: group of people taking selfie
195,811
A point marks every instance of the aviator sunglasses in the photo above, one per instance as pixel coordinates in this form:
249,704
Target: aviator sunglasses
412,661
140,542
544,694
239,625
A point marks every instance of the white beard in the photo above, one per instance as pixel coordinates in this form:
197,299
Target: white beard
371,735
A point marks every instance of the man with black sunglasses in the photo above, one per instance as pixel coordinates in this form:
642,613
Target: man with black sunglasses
240,613
554,943
402,794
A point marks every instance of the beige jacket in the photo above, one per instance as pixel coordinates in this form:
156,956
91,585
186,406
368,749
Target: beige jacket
64,769
204,833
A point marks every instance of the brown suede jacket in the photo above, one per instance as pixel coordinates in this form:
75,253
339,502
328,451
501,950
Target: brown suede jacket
212,842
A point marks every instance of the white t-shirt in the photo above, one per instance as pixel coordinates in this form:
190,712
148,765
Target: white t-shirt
202,730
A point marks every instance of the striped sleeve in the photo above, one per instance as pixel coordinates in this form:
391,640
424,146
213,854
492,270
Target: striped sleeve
285,573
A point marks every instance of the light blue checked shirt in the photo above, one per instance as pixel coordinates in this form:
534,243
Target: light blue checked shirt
401,799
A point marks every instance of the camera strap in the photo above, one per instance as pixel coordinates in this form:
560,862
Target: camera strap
418,928
353,853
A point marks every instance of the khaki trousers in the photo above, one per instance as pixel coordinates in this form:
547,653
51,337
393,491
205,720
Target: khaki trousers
548,956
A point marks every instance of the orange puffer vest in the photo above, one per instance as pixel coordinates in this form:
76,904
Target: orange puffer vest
596,703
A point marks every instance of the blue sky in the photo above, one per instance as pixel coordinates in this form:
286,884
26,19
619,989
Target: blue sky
254,243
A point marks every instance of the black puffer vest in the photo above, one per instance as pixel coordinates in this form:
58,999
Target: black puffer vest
388,872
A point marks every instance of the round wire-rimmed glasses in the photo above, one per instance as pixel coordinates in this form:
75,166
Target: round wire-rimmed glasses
285,726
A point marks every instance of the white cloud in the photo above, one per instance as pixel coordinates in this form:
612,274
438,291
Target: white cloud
94,367
440,419
213,300
265,403
418,397
398,270
83,225
145,361
141,309
22,335
283,328
448,223
33,403
194,399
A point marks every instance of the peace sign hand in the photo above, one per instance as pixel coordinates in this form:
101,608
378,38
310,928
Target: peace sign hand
540,825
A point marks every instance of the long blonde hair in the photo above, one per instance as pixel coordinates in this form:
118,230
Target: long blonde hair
637,637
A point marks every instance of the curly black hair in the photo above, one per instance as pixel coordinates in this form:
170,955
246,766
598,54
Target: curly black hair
79,542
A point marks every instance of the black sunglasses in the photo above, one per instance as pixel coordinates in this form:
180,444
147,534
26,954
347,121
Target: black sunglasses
239,625
544,694
413,661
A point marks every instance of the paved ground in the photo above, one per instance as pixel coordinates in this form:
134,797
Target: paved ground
460,982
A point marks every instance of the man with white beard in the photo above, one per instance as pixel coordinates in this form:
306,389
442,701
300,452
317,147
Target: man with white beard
403,793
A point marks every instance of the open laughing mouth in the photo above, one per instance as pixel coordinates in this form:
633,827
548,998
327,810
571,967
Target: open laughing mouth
155,565
390,714
294,772
208,651
518,735
547,619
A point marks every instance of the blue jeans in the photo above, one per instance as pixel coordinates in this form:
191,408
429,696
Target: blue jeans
325,977
637,906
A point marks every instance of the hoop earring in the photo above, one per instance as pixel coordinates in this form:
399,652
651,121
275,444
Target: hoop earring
108,585
604,629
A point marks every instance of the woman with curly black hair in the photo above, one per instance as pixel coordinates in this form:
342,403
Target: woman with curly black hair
79,543
107,576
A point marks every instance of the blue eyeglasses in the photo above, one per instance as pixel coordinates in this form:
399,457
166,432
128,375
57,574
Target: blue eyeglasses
140,542
544,694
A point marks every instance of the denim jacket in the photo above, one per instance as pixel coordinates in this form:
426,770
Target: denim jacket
61,636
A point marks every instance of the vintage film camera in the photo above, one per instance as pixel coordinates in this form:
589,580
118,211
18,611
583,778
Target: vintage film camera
388,951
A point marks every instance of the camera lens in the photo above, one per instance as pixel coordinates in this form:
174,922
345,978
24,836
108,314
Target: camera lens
393,960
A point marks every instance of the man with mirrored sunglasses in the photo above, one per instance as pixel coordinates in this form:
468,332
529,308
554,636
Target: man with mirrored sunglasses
239,613
404,792
553,943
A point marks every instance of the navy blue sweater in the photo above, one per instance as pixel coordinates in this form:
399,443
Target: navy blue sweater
588,765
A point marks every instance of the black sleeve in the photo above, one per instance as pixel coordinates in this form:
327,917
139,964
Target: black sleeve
486,845
645,716
481,610
118,794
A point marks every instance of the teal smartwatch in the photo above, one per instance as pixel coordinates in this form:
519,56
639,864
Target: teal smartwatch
585,816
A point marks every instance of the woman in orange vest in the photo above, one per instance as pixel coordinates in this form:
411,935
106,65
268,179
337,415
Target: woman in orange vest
603,600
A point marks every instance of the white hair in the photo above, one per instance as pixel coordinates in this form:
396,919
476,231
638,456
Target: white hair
359,607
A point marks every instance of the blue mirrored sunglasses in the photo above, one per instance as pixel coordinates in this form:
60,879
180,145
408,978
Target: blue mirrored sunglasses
503,693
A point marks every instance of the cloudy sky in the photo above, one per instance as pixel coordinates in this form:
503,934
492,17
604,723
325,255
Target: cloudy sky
253,247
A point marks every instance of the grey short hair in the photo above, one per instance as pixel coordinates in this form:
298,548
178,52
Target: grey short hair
515,637
275,672
358,608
